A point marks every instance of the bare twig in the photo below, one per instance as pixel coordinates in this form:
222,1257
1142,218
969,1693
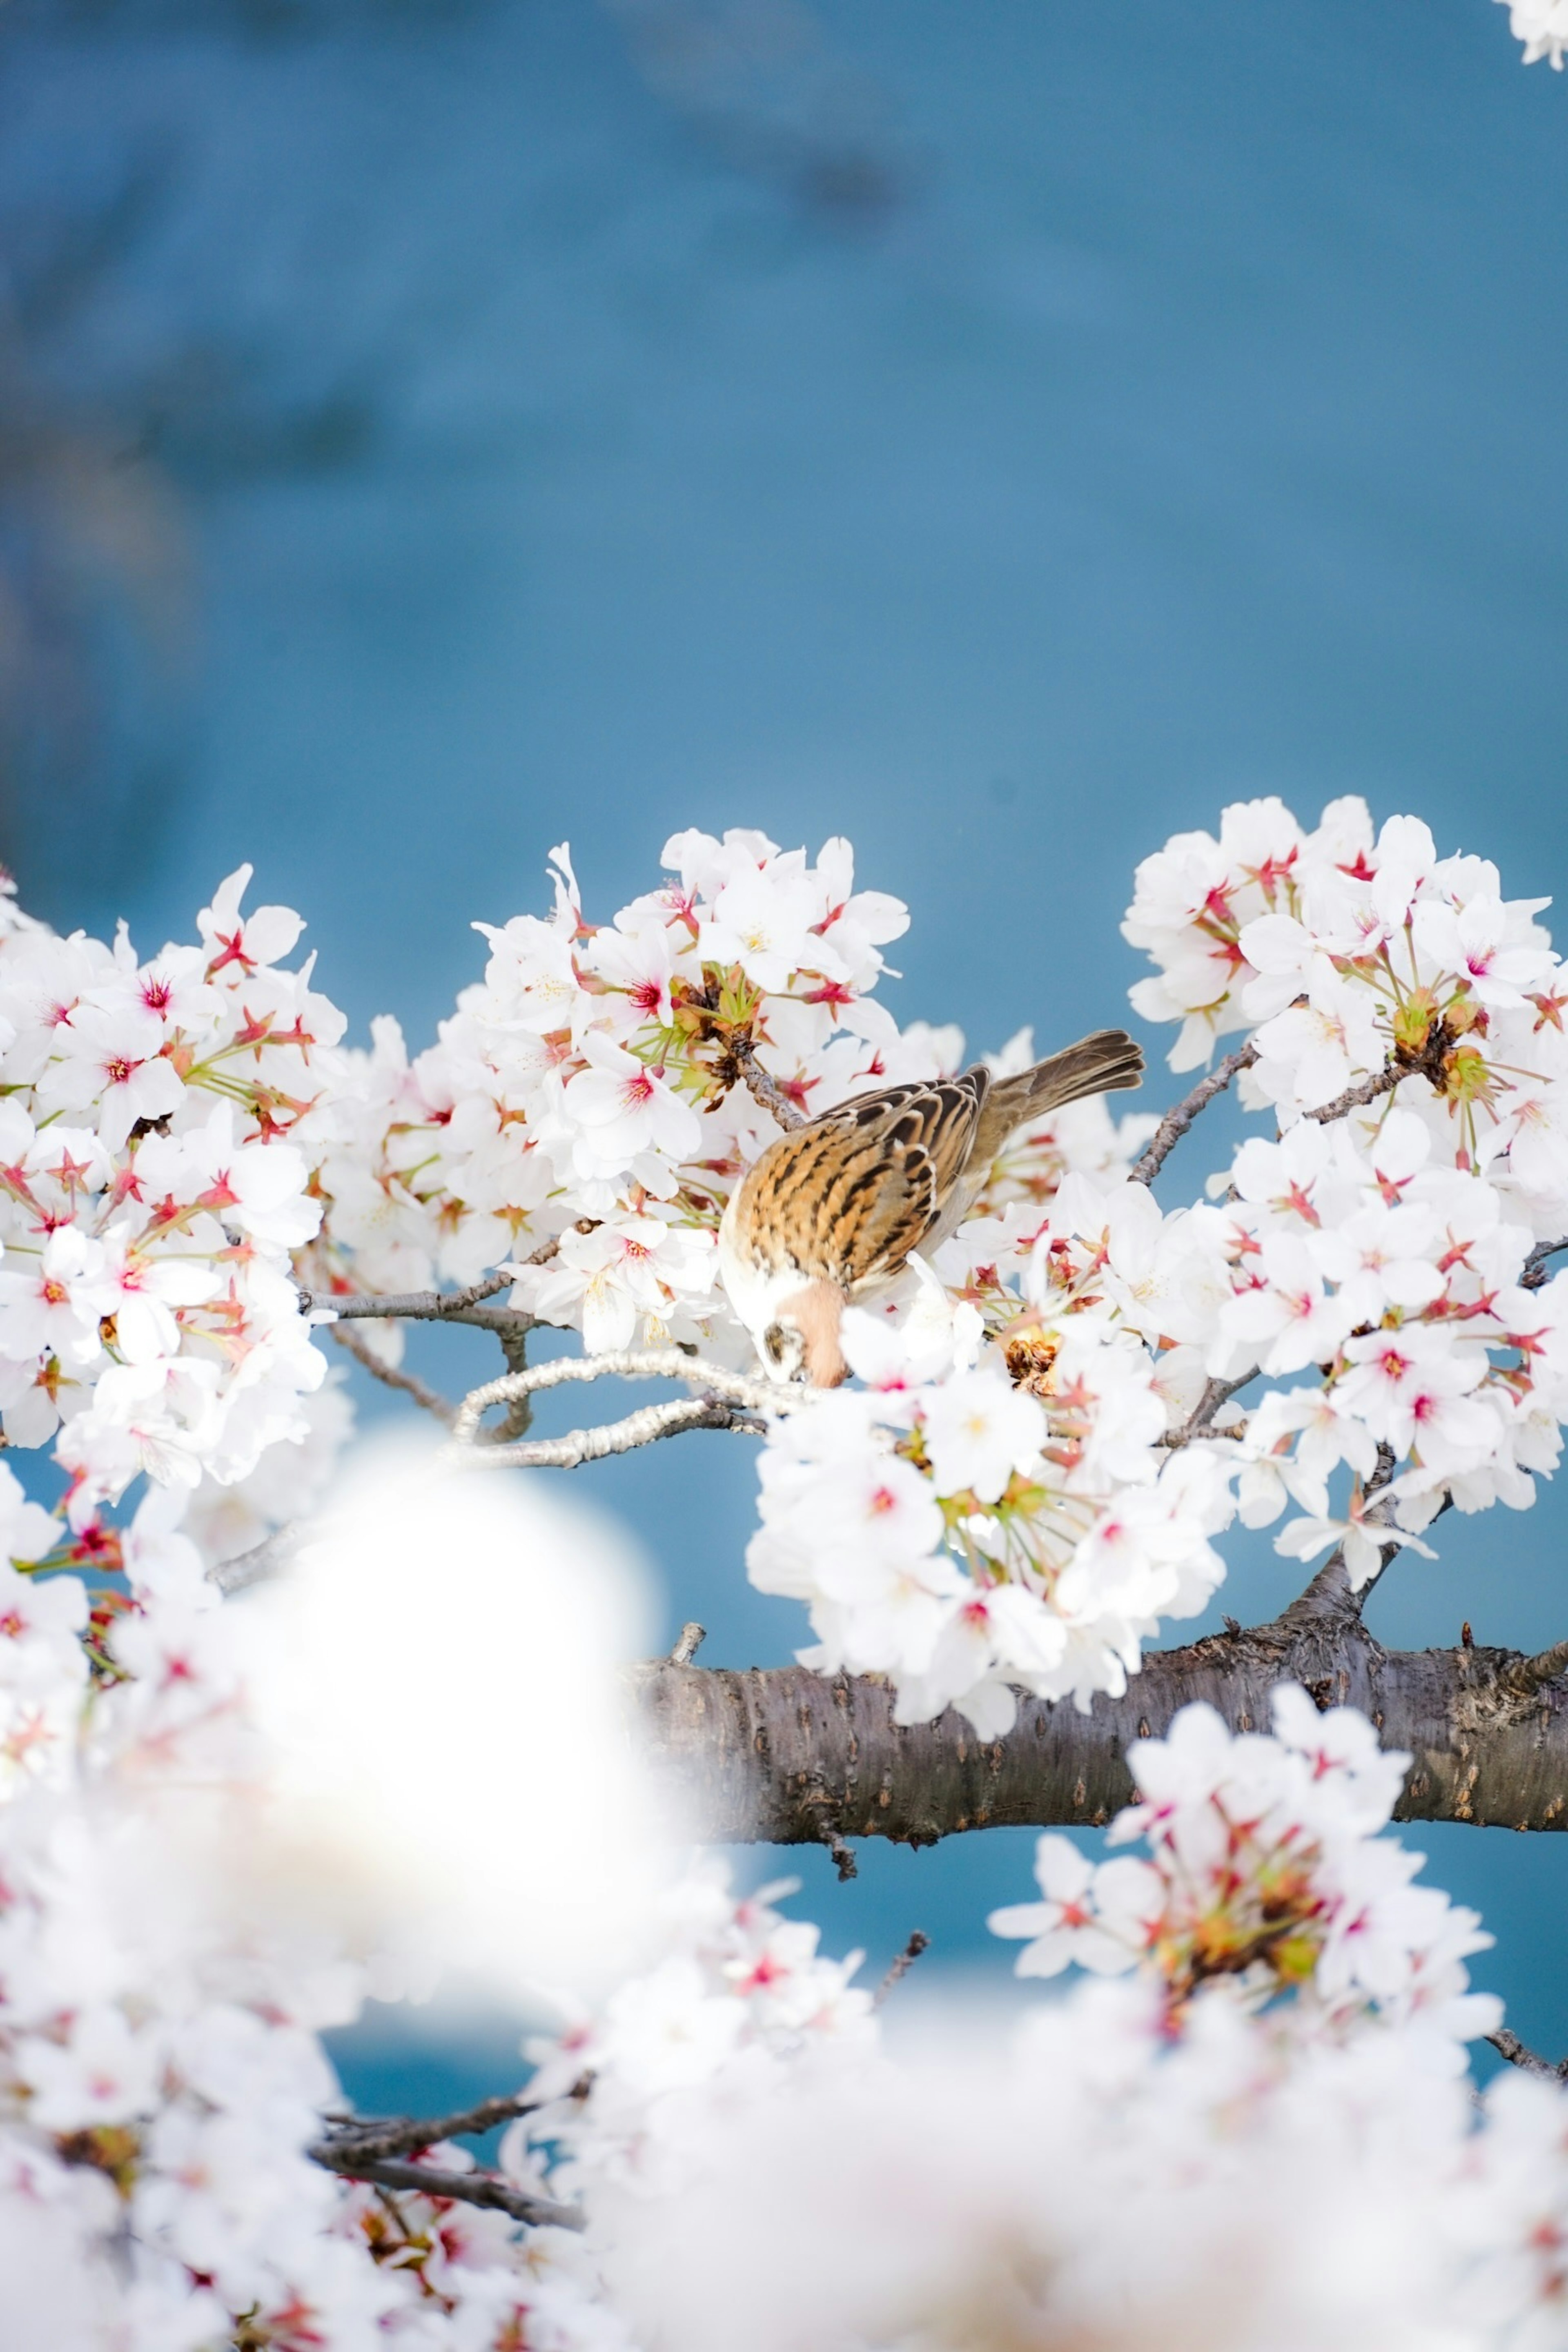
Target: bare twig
461,2188
253,1566
1198,1423
408,1384
433,1306
1534,1273
1508,2045
1365,1091
762,1087
419,1306
1175,1123
692,1636
734,1400
518,1419
398,2134
919,1942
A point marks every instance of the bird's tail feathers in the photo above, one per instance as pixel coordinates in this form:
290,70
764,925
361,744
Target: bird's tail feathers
1099,1065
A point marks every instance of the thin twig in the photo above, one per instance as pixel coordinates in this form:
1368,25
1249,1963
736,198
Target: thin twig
691,1638
408,1384
1508,2045
762,1087
919,1942
1175,1123
460,2188
1534,1273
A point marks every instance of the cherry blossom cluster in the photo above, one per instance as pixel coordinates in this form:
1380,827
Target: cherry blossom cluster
1051,1422
159,2074
1353,956
1273,2095
1265,1875
162,2081
591,1092
1543,26
969,1536
152,1190
740,2002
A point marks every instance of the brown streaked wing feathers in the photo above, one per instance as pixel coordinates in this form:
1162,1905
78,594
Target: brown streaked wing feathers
849,1196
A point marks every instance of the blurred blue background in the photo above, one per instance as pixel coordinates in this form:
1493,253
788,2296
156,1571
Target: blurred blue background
1001,432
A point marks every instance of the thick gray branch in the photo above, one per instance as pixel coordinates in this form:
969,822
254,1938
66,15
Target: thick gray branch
803,1758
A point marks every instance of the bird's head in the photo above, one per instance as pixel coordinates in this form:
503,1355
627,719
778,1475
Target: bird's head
802,1343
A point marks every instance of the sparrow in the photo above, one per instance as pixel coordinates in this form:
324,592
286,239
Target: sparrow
832,1213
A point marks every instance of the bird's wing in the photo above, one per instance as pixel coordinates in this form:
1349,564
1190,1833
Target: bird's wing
847,1198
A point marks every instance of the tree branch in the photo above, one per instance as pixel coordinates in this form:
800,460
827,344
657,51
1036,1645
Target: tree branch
1175,1123
1365,1091
1534,1273
253,1566
1198,1422
919,1942
737,1401
407,1383
460,2188
518,1417
762,1087
466,1307
798,1758
356,2136
1510,2047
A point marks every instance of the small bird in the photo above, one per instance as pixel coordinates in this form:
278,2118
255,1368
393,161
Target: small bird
832,1212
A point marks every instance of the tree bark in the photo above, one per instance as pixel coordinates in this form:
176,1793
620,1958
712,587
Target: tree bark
791,1756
